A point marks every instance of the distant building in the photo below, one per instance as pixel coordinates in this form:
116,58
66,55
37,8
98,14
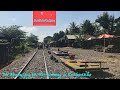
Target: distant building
68,40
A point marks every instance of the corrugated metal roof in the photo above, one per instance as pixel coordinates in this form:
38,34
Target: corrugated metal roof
91,38
72,36
88,37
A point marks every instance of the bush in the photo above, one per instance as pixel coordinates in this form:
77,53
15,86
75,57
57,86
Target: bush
27,49
17,50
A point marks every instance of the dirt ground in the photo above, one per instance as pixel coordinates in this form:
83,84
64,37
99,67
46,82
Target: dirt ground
112,61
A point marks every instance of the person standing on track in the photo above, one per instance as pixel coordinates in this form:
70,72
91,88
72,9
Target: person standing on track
23,50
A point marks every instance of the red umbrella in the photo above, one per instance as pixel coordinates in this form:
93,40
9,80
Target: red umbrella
105,36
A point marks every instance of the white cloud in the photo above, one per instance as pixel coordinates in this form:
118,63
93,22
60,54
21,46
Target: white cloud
34,31
12,19
28,29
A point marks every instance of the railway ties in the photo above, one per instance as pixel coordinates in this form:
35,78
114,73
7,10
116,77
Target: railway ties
35,67
40,66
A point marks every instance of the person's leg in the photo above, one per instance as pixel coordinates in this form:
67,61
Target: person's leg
23,52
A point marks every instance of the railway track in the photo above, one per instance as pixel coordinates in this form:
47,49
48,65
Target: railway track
40,66
36,64
39,63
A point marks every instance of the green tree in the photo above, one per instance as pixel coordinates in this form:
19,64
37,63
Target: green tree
107,22
16,37
98,29
67,32
13,34
117,26
55,37
61,34
88,28
111,25
48,39
32,39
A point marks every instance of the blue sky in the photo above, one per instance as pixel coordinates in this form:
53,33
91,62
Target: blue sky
63,18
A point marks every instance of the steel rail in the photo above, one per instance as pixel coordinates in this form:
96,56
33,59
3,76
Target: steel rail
27,62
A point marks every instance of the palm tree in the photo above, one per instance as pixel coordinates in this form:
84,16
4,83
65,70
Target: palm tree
67,32
74,28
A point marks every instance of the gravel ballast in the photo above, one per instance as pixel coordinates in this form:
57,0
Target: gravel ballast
57,70
15,66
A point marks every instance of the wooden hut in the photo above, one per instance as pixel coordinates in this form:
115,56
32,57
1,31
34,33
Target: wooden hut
70,40
88,41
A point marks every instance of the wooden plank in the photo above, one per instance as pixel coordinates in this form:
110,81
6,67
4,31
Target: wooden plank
64,59
85,65
93,62
76,66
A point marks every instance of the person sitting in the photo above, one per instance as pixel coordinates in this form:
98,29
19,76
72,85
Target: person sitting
58,49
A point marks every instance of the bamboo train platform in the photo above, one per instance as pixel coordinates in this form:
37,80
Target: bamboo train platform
76,64
61,53
83,65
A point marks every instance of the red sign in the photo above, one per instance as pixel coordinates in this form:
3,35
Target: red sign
44,18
